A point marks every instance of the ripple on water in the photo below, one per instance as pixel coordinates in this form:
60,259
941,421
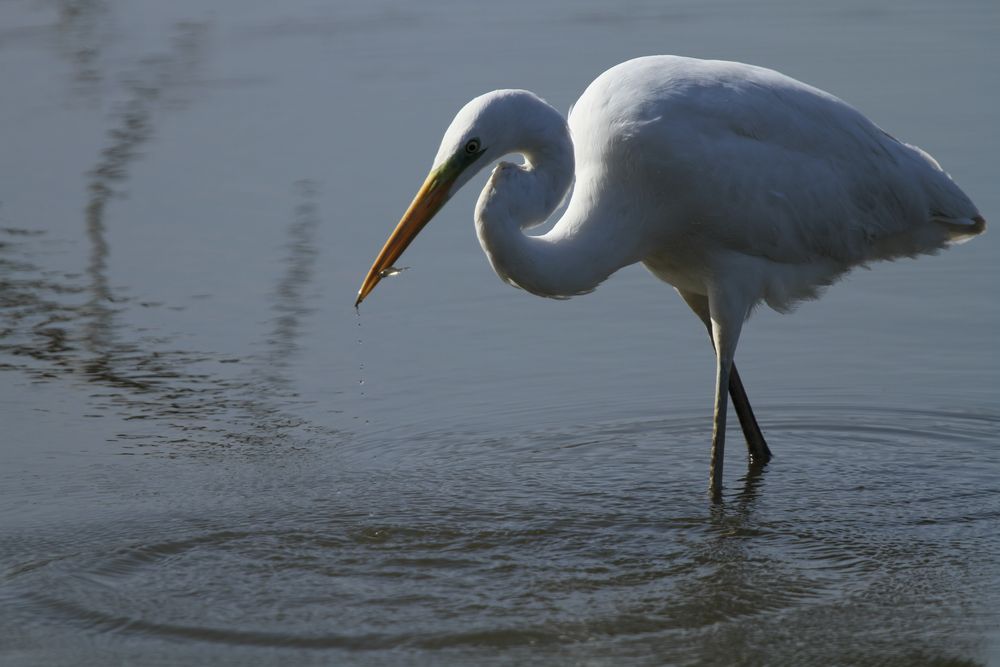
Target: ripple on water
593,540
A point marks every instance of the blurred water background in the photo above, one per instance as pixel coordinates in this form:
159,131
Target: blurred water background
209,458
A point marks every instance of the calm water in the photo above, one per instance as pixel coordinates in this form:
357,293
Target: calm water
209,458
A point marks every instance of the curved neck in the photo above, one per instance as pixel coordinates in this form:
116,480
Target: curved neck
580,251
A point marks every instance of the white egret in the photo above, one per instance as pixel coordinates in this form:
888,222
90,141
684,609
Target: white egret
735,184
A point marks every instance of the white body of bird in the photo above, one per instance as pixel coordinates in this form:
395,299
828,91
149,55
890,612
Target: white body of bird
733,183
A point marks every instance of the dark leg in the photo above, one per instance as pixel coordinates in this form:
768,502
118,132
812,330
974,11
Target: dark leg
756,445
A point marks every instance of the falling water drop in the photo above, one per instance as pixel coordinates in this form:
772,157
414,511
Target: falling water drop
361,363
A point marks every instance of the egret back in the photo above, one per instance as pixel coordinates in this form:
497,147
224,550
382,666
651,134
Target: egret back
716,160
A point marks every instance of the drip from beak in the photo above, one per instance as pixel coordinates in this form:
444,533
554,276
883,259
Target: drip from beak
428,201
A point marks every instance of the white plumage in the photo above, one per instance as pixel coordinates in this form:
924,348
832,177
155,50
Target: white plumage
733,183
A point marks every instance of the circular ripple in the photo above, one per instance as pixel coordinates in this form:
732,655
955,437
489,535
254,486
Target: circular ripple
592,535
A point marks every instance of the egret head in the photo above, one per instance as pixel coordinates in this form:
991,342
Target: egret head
484,130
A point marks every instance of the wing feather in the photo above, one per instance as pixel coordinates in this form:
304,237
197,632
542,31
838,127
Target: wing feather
772,167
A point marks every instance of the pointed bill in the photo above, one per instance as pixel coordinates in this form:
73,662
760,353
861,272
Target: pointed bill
428,201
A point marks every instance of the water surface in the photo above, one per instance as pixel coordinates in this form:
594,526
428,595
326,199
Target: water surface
209,457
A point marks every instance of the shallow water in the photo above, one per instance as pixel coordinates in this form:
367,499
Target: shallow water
209,457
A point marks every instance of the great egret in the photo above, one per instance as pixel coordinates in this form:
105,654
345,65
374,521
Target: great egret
733,183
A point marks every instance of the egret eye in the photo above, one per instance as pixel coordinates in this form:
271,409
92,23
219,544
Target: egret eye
472,147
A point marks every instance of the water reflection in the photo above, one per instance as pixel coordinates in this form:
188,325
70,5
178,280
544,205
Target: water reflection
113,362
47,331
84,30
43,319
288,302
33,308
268,392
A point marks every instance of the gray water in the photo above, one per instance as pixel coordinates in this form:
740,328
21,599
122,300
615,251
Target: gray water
209,458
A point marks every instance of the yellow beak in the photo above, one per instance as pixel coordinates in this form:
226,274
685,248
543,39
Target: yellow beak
429,200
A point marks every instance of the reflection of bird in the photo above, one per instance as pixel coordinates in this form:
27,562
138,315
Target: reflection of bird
733,183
